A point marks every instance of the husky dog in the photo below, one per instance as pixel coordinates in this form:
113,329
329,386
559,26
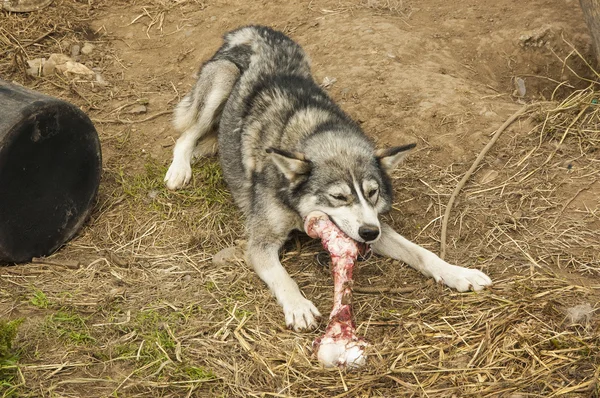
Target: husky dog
286,149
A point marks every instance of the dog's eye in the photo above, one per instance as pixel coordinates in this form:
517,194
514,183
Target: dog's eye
372,193
341,198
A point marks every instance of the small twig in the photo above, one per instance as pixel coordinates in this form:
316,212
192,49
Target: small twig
463,181
22,46
131,121
378,290
67,264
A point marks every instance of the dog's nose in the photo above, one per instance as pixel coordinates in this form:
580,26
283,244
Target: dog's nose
368,232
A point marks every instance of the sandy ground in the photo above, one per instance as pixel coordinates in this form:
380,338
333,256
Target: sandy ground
135,306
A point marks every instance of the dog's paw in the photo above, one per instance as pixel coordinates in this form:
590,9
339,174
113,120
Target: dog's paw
179,174
301,315
461,279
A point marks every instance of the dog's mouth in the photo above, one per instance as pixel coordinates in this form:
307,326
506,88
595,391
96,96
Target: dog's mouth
342,229
364,251
361,242
364,248
323,257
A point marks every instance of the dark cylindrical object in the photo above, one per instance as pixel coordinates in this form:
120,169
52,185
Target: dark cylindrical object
591,14
50,166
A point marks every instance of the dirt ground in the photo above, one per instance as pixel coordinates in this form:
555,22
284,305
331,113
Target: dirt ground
134,306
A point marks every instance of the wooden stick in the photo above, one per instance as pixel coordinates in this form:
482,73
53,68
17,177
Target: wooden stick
23,46
131,121
378,290
67,264
463,181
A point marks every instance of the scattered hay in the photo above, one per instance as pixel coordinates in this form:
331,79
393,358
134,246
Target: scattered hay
135,307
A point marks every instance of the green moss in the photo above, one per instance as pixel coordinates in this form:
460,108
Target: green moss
197,373
69,327
163,338
8,355
124,350
152,327
210,286
39,299
206,190
8,332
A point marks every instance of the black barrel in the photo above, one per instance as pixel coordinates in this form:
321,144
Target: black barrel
50,166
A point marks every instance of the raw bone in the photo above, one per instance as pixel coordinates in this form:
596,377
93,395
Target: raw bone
339,346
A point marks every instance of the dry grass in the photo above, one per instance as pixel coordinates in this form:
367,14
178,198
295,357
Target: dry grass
135,307
393,8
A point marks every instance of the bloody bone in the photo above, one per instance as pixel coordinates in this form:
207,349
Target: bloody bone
339,346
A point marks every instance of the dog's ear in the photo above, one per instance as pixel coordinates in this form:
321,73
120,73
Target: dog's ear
389,158
293,165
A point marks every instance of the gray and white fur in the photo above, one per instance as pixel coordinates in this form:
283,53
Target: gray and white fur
286,149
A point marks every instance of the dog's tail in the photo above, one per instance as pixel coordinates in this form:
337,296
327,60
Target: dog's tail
186,112
198,114
216,80
201,108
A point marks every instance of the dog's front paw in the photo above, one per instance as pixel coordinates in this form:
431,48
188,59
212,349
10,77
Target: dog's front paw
179,174
301,315
461,279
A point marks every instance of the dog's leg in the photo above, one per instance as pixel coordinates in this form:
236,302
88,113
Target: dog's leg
392,244
300,313
197,115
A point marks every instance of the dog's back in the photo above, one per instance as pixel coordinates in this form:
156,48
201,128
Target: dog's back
270,63
275,103
260,52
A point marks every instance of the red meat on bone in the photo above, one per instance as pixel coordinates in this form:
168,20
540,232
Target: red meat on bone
339,346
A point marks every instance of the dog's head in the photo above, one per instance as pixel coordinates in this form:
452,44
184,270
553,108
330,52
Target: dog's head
349,181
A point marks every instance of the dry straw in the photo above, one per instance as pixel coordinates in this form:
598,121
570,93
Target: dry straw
135,307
